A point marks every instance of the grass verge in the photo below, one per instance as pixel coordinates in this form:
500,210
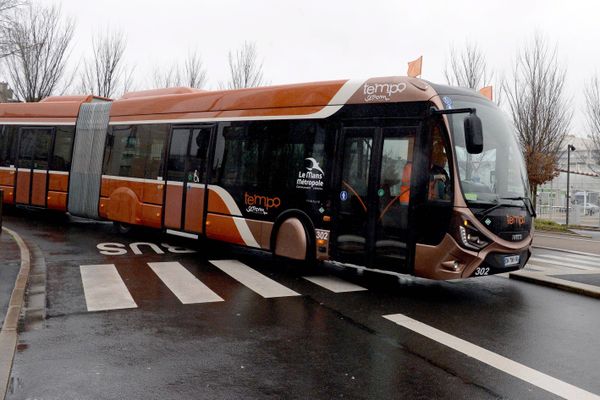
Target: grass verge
551,226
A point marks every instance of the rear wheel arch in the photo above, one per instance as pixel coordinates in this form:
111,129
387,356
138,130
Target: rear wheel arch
288,217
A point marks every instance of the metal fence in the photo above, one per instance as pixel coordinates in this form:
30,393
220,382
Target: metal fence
583,208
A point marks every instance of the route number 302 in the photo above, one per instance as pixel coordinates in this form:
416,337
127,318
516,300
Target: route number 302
482,271
321,234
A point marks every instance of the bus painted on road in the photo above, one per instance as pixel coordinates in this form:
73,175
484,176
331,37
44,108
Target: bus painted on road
391,173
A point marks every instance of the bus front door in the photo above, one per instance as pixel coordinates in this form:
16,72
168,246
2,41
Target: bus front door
186,179
373,197
35,145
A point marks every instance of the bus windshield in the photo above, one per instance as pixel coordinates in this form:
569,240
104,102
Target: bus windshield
497,175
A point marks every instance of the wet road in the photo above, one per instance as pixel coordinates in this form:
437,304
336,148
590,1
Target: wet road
223,323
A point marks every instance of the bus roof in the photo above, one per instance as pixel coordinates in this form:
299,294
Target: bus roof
314,100
310,100
58,110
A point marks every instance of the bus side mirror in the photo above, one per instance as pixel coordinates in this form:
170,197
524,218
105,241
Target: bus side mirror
473,134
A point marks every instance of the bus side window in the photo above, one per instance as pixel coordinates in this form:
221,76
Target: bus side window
8,145
440,184
135,151
63,147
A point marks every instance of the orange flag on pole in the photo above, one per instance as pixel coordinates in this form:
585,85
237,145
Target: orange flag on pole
414,67
487,92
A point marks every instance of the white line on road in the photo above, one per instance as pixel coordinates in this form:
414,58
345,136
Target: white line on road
563,237
497,361
187,288
563,264
334,284
104,289
549,269
252,279
580,259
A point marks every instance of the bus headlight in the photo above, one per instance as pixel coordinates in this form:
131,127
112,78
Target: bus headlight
471,238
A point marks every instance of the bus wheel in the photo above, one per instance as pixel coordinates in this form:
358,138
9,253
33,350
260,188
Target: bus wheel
122,227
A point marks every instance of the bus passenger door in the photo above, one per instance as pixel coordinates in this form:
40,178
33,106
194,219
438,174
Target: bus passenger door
353,223
371,225
392,242
35,146
186,178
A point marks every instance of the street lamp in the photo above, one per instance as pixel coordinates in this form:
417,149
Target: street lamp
570,148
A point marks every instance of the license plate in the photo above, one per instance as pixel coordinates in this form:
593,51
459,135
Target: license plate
511,260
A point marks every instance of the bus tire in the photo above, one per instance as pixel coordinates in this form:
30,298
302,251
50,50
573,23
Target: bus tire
122,227
293,238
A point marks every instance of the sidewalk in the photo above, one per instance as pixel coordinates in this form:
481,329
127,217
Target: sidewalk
586,282
12,248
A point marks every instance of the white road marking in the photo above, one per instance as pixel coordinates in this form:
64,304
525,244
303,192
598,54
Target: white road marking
562,264
548,269
497,361
104,289
580,259
567,238
252,279
334,284
187,288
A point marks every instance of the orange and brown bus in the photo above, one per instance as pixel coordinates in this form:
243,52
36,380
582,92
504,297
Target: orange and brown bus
390,173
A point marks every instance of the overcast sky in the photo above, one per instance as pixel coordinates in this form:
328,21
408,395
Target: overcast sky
311,40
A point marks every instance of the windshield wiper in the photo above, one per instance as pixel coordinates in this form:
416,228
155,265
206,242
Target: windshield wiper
527,201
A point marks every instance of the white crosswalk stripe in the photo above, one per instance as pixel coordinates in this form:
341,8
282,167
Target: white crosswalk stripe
565,264
580,260
253,280
184,285
587,256
104,289
334,284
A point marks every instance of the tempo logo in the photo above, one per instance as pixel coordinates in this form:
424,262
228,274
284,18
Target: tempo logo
515,219
382,91
255,200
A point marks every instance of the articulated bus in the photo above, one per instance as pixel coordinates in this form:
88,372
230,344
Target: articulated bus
390,173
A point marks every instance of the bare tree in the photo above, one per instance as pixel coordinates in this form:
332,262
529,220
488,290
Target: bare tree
467,68
105,74
191,73
539,108
8,10
194,74
41,40
592,111
245,70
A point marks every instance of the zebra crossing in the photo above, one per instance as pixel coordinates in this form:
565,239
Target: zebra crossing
552,263
104,289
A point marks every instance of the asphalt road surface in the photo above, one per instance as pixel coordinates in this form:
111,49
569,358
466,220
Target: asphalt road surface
126,320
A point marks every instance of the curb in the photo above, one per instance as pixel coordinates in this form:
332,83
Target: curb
581,253
8,334
548,280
